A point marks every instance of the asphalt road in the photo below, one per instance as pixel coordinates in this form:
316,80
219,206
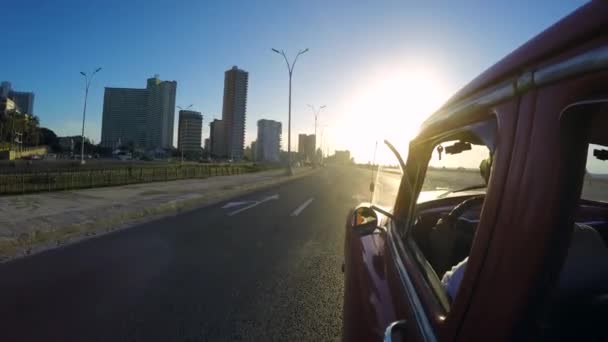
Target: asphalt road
265,269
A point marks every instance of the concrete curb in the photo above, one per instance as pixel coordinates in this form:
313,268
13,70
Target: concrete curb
31,244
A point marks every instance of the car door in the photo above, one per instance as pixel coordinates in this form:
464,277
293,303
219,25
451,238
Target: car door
375,294
443,171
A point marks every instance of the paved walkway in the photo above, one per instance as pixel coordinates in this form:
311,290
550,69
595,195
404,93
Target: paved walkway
33,222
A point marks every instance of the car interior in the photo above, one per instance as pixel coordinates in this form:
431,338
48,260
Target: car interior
444,229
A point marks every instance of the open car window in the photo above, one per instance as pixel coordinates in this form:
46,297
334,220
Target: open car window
578,303
453,174
595,185
455,167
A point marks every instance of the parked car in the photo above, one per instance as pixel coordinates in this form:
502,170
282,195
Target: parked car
493,231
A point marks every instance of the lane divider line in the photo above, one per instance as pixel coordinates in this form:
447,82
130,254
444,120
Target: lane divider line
302,207
236,204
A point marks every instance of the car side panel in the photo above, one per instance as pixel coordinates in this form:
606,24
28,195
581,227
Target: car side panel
373,295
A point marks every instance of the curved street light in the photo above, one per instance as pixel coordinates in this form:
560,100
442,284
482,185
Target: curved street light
87,80
290,69
316,113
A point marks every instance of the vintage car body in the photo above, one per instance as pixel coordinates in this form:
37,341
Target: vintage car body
530,205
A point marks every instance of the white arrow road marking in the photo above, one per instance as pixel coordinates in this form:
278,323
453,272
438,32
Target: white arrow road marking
302,207
236,204
273,197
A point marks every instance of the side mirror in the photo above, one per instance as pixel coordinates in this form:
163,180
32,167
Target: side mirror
365,220
371,187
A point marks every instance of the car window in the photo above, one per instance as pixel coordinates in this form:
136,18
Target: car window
451,173
454,171
577,307
595,184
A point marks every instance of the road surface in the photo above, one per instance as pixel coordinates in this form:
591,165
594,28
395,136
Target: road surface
265,266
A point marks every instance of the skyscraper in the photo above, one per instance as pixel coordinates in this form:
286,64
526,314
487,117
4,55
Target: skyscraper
217,139
234,111
306,147
142,117
207,147
161,113
124,117
189,131
5,88
24,101
268,144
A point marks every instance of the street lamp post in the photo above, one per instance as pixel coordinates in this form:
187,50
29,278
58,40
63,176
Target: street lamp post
321,141
87,81
290,69
316,113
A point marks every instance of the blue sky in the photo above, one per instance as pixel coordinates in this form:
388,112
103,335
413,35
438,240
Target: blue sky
352,44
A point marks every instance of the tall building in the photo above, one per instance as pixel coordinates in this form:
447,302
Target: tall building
234,111
306,147
207,147
124,117
217,139
24,101
342,157
189,131
161,113
268,144
5,88
142,117
254,149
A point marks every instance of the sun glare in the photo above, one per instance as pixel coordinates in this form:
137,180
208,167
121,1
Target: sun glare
391,105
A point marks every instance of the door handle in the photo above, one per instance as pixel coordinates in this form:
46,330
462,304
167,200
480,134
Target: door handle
388,333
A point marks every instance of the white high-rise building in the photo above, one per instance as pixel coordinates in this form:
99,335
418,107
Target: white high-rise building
142,117
161,113
268,144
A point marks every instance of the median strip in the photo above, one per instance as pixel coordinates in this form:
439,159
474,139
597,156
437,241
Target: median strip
37,222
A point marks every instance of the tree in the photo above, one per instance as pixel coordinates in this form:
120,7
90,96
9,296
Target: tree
14,122
49,138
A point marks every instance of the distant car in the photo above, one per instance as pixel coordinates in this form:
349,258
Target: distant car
494,181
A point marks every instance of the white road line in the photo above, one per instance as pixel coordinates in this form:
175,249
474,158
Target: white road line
302,207
273,197
236,204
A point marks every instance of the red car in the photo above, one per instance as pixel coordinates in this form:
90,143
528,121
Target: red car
497,227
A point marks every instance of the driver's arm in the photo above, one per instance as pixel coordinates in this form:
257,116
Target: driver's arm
451,279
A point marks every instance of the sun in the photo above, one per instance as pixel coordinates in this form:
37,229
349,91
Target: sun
390,105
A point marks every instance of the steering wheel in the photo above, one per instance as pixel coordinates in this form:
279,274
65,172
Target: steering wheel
462,207
443,236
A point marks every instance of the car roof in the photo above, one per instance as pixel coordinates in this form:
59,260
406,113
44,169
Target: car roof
583,24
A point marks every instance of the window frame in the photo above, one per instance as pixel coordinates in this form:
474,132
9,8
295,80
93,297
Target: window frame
418,168
572,138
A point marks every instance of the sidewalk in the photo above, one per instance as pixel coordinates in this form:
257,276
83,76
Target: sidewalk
35,222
